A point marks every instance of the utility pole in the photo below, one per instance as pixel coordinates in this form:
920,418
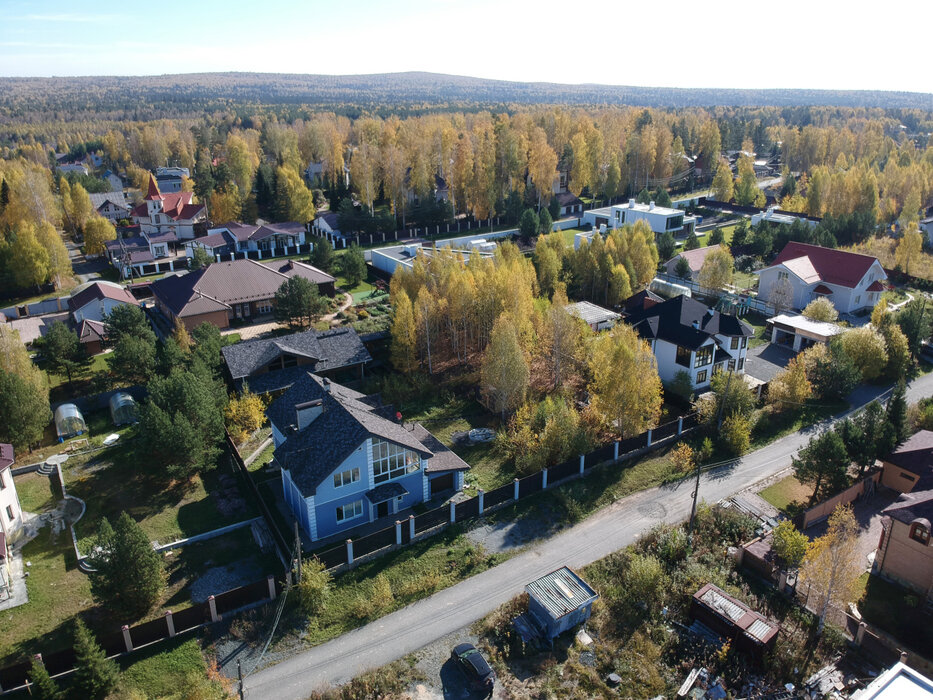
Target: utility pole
696,486
239,673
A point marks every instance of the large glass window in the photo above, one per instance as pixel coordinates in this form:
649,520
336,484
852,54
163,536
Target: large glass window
347,476
704,356
734,345
701,377
349,511
683,357
390,461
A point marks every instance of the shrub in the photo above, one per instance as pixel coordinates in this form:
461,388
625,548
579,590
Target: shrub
314,587
737,433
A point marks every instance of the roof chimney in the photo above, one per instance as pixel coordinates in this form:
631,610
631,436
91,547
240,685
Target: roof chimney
710,311
650,205
696,325
305,413
631,204
325,385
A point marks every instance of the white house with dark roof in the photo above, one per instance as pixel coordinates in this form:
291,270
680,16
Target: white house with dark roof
687,336
98,299
851,281
110,205
347,460
234,237
170,213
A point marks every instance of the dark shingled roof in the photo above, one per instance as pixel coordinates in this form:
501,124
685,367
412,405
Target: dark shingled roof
101,290
296,268
916,457
6,455
910,506
305,387
673,321
333,349
347,419
385,492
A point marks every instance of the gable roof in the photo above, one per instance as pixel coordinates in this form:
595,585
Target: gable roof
296,268
344,423
223,284
98,291
178,206
6,455
673,321
916,457
331,349
694,258
307,387
839,267
153,191
99,199
911,506
90,331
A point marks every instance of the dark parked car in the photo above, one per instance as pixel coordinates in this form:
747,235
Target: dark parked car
468,657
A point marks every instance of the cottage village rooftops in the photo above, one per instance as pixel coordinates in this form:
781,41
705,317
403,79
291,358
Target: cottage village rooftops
255,232
6,455
306,388
99,199
97,291
175,205
813,263
331,349
219,285
652,207
290,268
345,421
674,319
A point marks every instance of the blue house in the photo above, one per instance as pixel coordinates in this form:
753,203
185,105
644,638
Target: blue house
348,460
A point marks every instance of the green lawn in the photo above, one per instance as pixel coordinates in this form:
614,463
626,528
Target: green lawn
758,322
785,493
161,670
569,234
35,493
727,232
445,415
112,481
744,280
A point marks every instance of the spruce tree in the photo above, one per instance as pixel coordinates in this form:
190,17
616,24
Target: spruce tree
41,684
128,573
95,674
897,413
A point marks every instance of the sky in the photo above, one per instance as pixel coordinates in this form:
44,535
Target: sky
676,43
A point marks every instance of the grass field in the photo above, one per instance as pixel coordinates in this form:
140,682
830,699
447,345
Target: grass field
161,670
785,493
35,493
758,323
112,481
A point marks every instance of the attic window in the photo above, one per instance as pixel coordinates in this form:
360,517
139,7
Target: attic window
920,533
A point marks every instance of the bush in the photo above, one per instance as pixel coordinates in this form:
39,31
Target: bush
737,433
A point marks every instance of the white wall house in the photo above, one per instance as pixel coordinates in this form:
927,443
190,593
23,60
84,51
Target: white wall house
110,205
660,219
849,280
97,300
11,513
772,215
687,336
173,213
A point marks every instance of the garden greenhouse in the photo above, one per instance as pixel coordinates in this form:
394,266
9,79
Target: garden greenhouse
69,421
123,409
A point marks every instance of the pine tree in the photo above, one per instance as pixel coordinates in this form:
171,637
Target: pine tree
95,675
128,574
897,413
42,686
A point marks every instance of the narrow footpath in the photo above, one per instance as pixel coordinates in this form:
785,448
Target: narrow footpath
406,630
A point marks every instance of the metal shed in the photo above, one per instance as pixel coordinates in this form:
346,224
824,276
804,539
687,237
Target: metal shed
69,421
559,601
123,409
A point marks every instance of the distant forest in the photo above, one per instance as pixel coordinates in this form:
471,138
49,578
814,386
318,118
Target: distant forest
173,96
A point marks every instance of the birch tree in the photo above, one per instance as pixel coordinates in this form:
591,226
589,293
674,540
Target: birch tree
505,373
832,564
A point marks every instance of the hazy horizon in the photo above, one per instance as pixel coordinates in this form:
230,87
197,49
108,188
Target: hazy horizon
725,45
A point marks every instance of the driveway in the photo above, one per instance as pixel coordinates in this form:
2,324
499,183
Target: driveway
607,531
767,361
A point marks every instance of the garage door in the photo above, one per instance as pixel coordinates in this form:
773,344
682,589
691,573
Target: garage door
442,483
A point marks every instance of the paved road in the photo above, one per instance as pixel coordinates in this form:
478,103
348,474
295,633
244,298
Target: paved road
611,529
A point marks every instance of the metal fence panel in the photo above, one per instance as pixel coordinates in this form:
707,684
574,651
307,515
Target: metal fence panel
432,518
499,495
333,557
14,676
191,617
149,632
529,485
373,542
562,471
468,509
244,595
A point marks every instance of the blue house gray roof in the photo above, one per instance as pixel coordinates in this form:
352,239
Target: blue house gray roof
346,420
327,350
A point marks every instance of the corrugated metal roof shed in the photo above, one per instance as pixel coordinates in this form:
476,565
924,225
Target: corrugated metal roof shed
561,592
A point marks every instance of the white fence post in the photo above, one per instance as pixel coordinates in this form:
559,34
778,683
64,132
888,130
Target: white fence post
516,489
680,425
453,512
212,604
649,437
480,494
615,451
349,552
170,623
544,478
127,640
411,527
271,581
398,532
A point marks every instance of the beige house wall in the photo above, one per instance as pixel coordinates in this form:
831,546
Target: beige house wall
894,477
905,560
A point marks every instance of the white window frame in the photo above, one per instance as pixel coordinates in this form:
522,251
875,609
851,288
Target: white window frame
346,477
702,376
356,507
392,461
782,275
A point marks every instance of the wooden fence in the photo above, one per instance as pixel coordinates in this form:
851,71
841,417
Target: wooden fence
823,510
